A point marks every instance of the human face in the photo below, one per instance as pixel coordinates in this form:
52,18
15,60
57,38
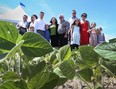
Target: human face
77,22
25,18
73,14
84,17
53,20
41,15
61,18
93,25
33,18
47,26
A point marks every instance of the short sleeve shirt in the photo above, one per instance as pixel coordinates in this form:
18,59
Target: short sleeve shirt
63,26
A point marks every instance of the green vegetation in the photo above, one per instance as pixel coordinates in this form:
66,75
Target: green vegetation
29,61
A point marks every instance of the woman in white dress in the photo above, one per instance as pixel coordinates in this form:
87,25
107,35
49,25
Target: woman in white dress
75,34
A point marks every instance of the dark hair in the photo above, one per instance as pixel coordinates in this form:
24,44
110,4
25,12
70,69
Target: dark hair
25,16
55,19
74,11
75,21
84,14
56,23
34,16
42,12
92,24
100,28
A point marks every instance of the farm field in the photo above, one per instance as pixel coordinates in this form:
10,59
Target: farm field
30,62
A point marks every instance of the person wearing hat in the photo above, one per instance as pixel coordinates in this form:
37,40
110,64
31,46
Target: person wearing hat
84,27
63,28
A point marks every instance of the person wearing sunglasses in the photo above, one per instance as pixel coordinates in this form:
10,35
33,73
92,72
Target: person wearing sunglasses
84,27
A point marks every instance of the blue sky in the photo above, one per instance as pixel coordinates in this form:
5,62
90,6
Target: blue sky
102,12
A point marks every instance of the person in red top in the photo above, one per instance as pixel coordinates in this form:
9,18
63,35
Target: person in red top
84,27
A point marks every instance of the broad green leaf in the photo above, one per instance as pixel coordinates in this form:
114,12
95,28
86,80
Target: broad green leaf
35,45
110,66
36,75
62,78
3,55
12,51
107,50
86,74
42,79
14,85
112,40
65,53
52,82
53,58
30,71
10,76
61,81
3,51
8,35
38,80
67,68
19,38
59,72
21,84
88,56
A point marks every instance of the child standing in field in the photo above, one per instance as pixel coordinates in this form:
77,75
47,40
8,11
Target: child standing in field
75,34
47,33
100,36
93,35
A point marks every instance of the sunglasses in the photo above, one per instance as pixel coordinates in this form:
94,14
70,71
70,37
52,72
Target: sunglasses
84,16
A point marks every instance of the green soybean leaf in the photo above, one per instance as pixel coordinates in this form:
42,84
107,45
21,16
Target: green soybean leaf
35,45
67,69
65,53
8,35
107,50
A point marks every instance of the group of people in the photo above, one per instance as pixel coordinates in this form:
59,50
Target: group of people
76,32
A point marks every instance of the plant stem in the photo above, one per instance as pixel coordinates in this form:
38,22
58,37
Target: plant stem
83,80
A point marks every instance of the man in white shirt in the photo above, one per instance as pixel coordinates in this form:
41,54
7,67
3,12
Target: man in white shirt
23,26
39,25
71,20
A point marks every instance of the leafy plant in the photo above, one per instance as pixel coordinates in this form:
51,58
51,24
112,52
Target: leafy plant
30,62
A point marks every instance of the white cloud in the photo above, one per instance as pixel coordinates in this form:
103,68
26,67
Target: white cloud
4,9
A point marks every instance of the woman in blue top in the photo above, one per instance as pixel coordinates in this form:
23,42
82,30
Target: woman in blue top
47,33
100,36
